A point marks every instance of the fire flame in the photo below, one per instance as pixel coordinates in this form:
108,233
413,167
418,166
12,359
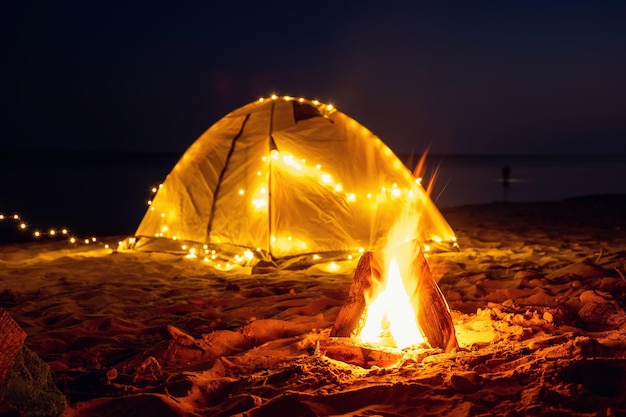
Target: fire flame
390,317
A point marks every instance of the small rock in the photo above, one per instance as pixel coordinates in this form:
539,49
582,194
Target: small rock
526,275
605,314
547,316
591,296
111,374
465,383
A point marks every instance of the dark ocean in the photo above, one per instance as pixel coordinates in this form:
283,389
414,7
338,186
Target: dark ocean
105,193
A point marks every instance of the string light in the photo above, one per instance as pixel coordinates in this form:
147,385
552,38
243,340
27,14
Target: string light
52,233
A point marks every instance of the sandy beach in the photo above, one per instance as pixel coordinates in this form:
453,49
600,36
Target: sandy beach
537,294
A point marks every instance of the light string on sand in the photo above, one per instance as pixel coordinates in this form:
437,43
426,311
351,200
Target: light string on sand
63,233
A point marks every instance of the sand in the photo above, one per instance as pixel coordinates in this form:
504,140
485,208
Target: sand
537,295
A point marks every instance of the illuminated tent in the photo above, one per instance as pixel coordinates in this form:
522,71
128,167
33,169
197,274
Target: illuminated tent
284,178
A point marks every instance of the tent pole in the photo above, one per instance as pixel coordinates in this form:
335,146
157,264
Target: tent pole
271,146
221,177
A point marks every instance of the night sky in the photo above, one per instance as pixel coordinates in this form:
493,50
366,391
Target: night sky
527,77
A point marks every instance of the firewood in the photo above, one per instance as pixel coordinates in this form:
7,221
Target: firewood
351,311
432,313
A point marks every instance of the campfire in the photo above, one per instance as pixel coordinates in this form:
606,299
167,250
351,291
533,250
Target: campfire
394,308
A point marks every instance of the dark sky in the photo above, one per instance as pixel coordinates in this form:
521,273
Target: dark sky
485,77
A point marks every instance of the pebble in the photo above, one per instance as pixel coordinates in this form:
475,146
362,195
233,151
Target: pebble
591,296
466,382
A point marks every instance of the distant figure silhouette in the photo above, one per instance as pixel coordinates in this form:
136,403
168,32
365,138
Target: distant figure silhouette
506,175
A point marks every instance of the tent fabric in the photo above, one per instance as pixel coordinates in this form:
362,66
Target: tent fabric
280,178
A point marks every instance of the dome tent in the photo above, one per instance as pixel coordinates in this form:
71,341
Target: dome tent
280,179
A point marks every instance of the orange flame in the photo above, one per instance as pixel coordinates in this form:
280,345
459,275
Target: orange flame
390,318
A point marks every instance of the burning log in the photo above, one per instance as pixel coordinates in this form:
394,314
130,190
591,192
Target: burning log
429,306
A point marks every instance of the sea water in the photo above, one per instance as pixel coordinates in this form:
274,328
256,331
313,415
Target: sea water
478,179
107,193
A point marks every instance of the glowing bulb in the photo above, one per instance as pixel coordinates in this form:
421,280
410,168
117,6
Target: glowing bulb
351,197
64,231
261,99
329,107
316,257
52,232
361,250
326,179
318,166
73,240
149,202
274,96
1,216
259,203
369,195
154,189
162,214
259,173
86,241
264,159
316,102
287,98
332,267
301,100
37,233
338,188
23,226
241,191
396,193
